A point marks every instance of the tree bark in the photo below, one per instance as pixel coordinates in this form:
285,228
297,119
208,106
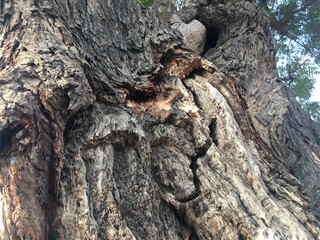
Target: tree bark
111,128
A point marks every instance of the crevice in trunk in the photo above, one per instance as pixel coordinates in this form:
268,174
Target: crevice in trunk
52,200
194,166
212,39
7,136
180,215
53,183
212,128
141,95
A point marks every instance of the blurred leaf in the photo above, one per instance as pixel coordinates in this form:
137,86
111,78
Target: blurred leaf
145,3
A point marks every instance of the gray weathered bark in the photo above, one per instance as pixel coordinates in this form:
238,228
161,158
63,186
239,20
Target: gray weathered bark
110,128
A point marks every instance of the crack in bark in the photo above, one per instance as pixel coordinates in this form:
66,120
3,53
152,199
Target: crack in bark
7,136
212,128
179,212
194,166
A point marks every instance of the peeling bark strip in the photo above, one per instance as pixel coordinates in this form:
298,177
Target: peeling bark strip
111,129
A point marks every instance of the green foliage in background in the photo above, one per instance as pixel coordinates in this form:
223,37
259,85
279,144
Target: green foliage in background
145,3
296,30
313,109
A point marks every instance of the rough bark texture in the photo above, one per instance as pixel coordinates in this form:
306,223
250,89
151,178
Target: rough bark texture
111,129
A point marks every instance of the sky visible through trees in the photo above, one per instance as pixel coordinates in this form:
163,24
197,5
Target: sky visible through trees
296,34
316,91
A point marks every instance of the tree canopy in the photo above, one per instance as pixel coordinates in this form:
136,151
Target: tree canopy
295,25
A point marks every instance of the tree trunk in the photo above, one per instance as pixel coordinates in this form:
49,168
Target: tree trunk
110,128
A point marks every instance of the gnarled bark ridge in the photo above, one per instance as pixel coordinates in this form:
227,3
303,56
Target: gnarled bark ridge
110,128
